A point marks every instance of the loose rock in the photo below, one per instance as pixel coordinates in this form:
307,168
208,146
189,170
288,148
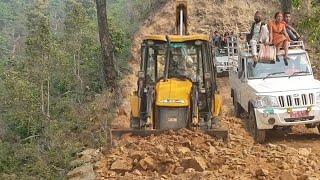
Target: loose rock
122,165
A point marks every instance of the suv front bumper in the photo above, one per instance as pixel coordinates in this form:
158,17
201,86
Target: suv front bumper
221,69
267,119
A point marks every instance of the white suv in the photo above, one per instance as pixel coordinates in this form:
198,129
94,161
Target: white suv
275,94
221,60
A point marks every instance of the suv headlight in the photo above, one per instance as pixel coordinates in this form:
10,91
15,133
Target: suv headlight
266,101
317,97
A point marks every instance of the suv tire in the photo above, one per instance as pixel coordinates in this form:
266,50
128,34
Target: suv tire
259,135
237,108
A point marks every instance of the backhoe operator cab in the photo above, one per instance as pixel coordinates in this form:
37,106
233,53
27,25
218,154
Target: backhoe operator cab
273,94
176,85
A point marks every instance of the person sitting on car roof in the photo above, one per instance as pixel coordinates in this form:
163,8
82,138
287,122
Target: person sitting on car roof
293,34
279,36
258,34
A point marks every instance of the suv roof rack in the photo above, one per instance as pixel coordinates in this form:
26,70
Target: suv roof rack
235,46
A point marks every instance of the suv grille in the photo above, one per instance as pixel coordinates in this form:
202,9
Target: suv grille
296,100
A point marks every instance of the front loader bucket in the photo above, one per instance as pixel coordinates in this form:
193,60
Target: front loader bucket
220,133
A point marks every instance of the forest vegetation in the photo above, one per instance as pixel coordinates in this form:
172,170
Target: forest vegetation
51,73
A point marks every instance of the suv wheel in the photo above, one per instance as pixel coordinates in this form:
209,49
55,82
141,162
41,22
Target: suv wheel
259,135
237,108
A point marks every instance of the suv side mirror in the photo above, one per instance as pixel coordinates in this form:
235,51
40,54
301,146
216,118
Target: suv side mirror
315,69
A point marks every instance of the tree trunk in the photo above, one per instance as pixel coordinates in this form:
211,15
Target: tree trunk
308,7
109,69
286,5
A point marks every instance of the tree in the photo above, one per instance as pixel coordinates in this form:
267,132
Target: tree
109,69
38,50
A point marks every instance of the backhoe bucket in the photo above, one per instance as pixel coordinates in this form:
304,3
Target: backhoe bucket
220,133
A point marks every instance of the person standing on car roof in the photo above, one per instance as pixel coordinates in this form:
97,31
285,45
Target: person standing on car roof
258,34
216,39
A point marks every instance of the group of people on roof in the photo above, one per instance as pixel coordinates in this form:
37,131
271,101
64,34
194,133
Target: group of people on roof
278,32
221,41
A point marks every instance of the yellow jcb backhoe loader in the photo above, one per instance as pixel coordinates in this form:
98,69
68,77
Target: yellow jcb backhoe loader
176,85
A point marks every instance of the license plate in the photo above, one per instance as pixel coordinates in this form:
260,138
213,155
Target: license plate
299,114
172,119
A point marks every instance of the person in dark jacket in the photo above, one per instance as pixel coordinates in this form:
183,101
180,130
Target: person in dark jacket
292,33
216,39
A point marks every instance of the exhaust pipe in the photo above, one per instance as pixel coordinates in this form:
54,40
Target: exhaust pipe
181,21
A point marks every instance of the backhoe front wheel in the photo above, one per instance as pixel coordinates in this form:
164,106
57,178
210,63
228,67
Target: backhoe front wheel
259,135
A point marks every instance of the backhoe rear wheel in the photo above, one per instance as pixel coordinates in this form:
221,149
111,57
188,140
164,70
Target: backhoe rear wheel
259,135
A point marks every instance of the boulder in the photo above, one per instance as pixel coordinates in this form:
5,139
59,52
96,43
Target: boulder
122,165
287,175
84,172
147,163
183,150
262,172
197,163
178,170
304,151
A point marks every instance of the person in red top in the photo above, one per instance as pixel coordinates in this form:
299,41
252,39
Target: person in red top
278,35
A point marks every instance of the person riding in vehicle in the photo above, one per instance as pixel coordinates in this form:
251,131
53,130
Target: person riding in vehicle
258,34
293,34
279,36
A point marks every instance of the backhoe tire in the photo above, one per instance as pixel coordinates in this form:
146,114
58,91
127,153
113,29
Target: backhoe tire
259,135
237,108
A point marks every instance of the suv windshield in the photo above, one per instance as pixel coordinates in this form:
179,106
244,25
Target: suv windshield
296,63
221,52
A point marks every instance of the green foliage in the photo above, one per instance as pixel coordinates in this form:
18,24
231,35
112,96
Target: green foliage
48,111
296,3
310,25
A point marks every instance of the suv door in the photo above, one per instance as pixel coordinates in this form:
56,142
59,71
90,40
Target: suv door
240,82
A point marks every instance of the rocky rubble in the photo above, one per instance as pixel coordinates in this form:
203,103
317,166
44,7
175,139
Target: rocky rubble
192,155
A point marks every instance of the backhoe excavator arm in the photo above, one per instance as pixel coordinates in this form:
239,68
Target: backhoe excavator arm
181,17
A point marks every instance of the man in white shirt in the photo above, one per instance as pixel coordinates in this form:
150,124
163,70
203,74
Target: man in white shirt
258,34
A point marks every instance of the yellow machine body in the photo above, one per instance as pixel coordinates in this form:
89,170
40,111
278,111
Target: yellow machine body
135,106
173,93
217,103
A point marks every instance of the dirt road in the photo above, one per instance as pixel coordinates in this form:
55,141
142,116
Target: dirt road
192,155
